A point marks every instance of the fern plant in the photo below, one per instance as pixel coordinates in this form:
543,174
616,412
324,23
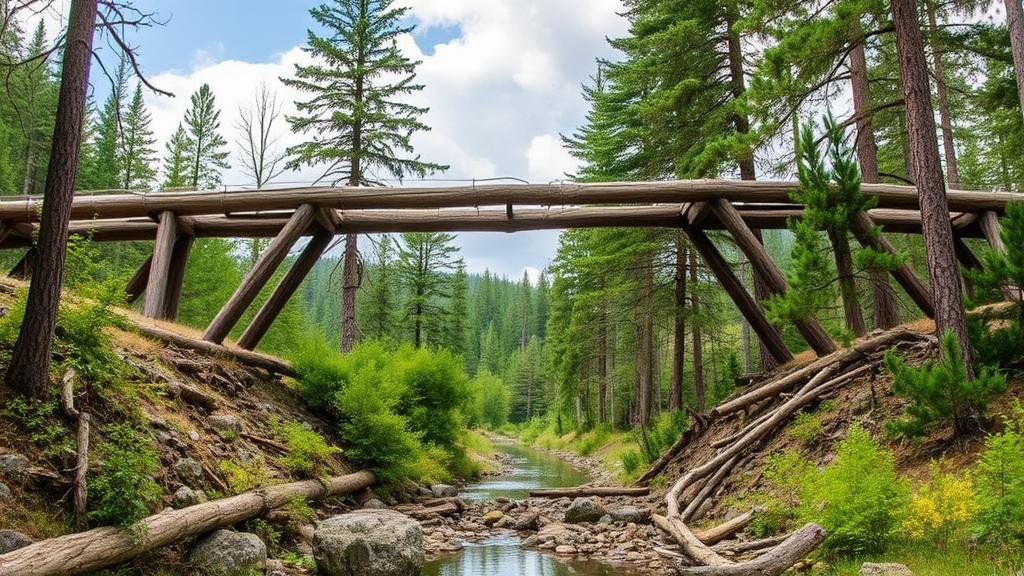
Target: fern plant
941,392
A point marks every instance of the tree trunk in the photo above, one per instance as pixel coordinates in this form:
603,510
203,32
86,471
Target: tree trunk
867,156
698,346
946,123
675,401
109,546
937,229
29,371
349,287
645,343
1015,25
28,181
602,365
847,282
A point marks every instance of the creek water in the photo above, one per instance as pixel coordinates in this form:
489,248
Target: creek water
502,556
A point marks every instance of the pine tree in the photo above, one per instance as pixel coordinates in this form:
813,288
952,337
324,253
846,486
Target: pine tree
32,112
107,162
204,146
359,123
458,311
382,293
176,160
138,154
425,264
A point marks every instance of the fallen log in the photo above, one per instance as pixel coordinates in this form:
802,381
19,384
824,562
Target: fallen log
592,491
103,547
773,562
254,359
424,512
688,541
734,548
726,529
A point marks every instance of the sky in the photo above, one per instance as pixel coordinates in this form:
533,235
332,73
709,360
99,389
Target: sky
502,81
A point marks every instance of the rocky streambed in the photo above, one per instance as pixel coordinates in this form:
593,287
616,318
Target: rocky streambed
495,528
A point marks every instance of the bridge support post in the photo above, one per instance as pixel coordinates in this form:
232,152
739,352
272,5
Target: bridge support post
991,228
745,239
176,275
254,281
285,289
137,283
732,285
160,265
861,226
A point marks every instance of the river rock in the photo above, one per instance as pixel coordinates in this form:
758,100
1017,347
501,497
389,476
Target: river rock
584,510
884,569
5,493
443,491
188,467
492,516
369,543
13,464
629,514
565,549
226,423
184,497
374,504
230,553
11,540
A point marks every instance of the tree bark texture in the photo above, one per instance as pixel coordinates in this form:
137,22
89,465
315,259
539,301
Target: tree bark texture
946,123
698,343
847,282
349,288
645,342
29,371
675,401
936,227
1015,25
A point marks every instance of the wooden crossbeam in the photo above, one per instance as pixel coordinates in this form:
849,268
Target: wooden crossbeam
750,309
176,275
265,266
862,225
160,266
285,289
745,239
991,228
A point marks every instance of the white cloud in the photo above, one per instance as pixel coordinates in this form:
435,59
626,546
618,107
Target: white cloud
499,94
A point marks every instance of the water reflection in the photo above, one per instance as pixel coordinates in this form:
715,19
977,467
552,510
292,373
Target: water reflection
503,556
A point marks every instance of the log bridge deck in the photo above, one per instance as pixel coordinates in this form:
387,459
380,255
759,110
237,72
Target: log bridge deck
741,208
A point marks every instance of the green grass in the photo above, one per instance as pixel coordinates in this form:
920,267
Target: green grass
952,561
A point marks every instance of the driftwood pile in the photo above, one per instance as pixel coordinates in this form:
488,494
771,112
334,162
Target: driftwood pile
766,409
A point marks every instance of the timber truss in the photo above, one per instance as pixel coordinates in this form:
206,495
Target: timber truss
741,208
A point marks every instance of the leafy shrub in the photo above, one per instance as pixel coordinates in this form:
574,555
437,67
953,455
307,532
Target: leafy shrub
308,452
492,399
123,490
940,391
857,498
242,476
999,476
434,387
43,424
593,440
631,462
941,509
784,474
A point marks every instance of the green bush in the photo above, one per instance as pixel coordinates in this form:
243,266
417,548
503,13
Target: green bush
999,480
491,400
664,431
308,452
631,462
123,490
242,476
434,388
42,421
858,498
941,392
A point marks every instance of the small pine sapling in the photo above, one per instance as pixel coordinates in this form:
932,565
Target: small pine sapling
941,392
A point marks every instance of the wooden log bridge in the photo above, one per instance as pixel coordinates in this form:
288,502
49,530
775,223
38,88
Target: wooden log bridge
172,220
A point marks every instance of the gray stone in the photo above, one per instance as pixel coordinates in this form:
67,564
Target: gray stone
884,569
226,423
373,504
193,436
230,553
188,467
443,490
369,543
276,567
11,540
862,402
631,514
606,519
184,497
5,493
13,464
584,510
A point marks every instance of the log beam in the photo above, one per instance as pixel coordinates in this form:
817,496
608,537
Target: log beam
160,266
285,289
254,281
992,230
743,300
176,275
137,283
862,227
763,264
23,269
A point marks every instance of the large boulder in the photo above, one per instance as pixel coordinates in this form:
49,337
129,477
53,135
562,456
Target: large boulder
884,569
230,553
13,464
11,541
584,510
632,514
369,543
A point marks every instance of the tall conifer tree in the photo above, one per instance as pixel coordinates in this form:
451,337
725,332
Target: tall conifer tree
137,145
204,145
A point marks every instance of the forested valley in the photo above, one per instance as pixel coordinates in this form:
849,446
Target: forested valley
815,357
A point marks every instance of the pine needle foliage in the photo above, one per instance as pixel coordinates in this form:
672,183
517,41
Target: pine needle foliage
940,392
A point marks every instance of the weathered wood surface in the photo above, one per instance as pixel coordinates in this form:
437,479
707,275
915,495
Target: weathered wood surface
592,491
160,266
176,275
861,225
246,357
102,206
261,272
750,309
773,562
137,283
108,546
